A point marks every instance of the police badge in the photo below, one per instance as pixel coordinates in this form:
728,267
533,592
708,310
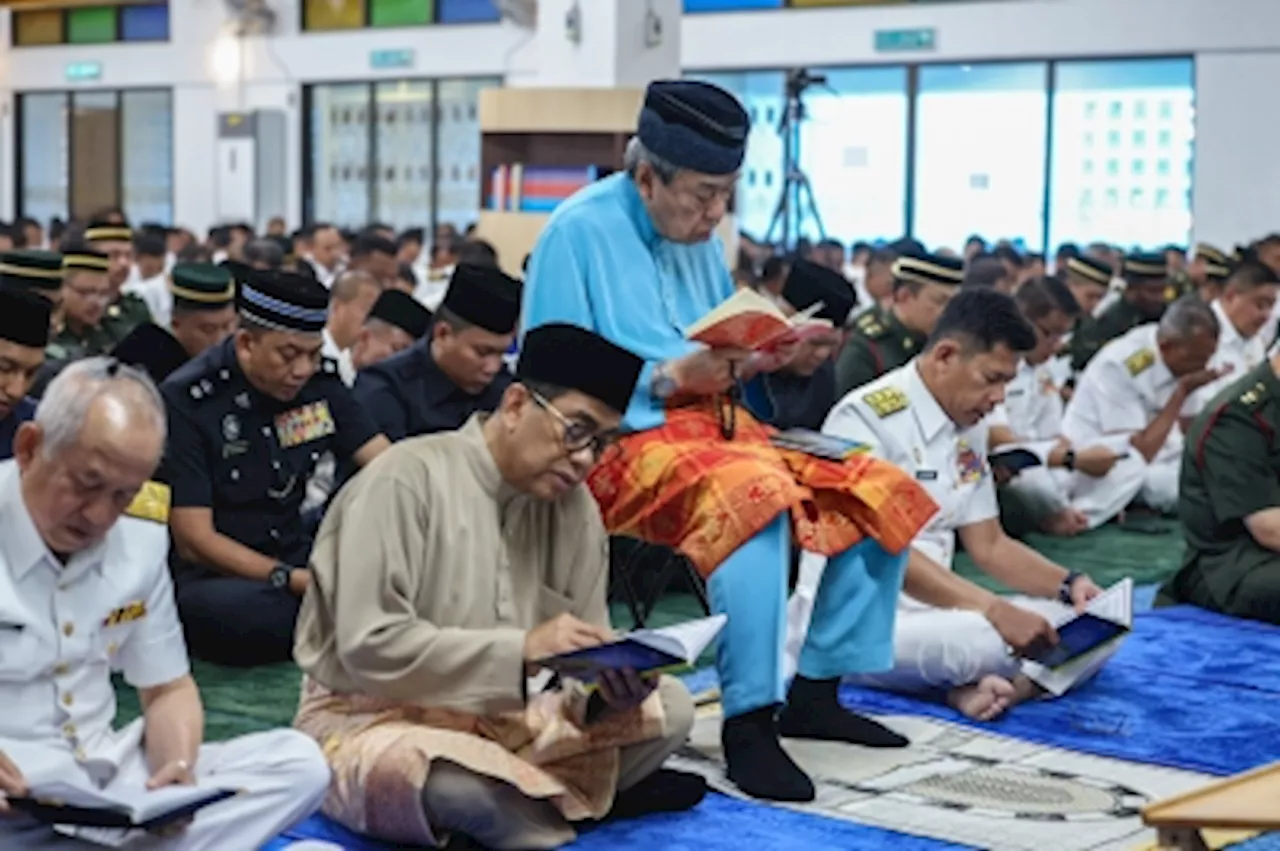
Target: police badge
231,428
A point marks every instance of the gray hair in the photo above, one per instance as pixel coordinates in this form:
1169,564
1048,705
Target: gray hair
65,407
636,153
1186,318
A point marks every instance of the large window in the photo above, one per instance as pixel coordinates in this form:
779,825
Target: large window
404,152
1123,134
1036,153
853,149
980,154
79,152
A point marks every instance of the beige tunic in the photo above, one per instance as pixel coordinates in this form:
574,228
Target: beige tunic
426,574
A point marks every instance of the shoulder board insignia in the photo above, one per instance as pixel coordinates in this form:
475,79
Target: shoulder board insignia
1140,361
886,401
151,503
55,351
329,366
1253,395
870,324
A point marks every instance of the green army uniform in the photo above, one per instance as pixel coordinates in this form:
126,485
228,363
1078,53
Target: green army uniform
1094,333
878,344
1180,284
66,346
1230,470
127,313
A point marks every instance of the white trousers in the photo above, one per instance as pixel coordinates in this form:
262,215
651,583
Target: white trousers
936,648
283,773
1101,499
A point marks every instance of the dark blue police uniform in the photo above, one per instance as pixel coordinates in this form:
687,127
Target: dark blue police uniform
247,456
21,413
409,395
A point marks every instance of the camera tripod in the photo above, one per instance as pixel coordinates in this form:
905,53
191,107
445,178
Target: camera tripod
796,201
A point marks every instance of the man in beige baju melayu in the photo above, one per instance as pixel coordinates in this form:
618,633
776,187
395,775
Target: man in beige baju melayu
438,577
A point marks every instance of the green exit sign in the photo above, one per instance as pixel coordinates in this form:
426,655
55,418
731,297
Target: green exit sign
79,72
384,59
889,41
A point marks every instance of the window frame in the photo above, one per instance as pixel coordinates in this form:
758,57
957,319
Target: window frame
64,15
69,93
367,20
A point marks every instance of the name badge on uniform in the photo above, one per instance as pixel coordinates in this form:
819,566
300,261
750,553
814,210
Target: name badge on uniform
927,475
305,424
126,614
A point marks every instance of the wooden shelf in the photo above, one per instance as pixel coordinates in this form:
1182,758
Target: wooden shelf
559,111
512,235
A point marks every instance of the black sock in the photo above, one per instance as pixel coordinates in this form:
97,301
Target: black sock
813,711
756,761
664,791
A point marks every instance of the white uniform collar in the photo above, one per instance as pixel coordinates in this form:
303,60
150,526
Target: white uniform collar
928,412
1228,334
20,542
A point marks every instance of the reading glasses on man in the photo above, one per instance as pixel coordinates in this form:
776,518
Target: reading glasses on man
576,434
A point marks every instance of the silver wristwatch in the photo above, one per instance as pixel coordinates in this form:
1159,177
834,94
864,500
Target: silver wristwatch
663,385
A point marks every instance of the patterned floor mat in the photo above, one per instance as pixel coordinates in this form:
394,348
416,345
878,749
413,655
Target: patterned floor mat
957,784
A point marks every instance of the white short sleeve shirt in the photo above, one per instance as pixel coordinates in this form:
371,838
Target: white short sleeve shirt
899,418
65,628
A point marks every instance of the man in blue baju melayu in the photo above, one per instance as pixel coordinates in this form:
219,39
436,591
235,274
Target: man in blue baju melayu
633,258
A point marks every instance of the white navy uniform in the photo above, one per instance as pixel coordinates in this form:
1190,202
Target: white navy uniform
1120,392
1033,411
902,422
64,629
1235,350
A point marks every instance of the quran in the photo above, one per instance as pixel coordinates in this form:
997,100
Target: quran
748,320
79,805
1107,618
645,651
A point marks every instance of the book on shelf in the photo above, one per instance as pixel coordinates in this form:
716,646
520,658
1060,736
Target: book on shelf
749,320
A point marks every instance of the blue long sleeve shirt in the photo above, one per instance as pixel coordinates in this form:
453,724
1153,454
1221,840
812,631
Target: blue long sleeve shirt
600,264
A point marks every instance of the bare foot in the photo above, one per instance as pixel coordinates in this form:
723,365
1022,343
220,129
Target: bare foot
984,700
1065,523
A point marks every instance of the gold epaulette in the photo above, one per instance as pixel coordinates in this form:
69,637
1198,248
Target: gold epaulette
886,401
870,325
1140,361
151,503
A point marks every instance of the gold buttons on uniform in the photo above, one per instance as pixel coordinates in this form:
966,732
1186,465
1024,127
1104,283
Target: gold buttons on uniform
68,699
68,629
69,730
61,670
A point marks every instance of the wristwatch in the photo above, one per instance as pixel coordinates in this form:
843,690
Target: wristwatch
1064,590
278,578
663,385
1069,460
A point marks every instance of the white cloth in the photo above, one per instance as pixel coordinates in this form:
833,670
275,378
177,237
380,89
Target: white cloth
324,274
155,292
325,475
1234,350
65,628
1114,291
1120,392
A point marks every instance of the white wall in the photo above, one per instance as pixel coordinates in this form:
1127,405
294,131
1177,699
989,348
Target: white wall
1236,44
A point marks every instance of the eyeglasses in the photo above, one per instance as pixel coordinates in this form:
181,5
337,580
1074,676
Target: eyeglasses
575,434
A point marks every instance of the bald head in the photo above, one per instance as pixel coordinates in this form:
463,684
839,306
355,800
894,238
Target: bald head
97,437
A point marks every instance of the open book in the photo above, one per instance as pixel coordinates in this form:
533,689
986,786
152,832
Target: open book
62,802
1108,617
1013,458
645,651
748,320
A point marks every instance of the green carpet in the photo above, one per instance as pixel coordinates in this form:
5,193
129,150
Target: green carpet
244,701
1108,554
